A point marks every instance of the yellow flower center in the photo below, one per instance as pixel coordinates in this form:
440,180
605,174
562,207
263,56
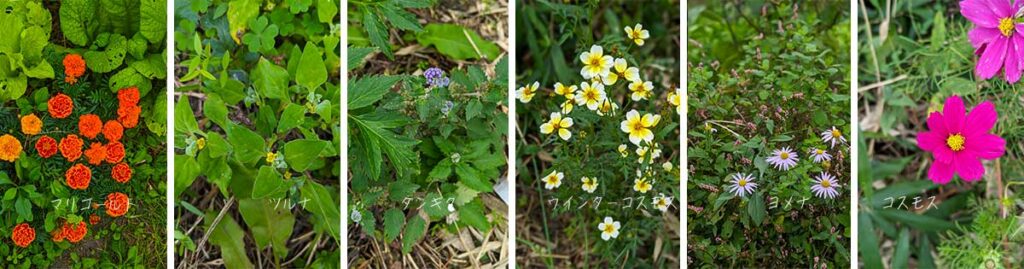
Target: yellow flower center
608,228
637,126
591,95
784,155
595,60
661,202
836,133
1006,26
201,143
527,91
819,152
742,182
826,183
552,179
955,142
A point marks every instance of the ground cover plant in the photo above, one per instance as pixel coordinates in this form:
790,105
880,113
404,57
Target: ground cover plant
82,131
940,169
769,123
427,123
256,134
598,104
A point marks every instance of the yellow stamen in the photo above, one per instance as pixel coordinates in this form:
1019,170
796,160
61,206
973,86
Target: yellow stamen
784,155
742,183
955,142
836,133
608,228
826,183
1006,26
819,152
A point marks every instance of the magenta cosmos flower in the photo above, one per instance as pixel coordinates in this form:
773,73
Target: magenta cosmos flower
996,38
959,140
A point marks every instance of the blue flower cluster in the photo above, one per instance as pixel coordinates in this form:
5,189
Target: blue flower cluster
436,78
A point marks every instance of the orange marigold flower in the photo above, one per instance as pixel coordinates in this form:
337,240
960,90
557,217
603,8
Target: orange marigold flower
128,96
128,115
71,147
57,234
30,124
74,232
94,219
10,148
90,125
74,67
117,204
96,153
78,177
23,235
115,152
113,130
46,146
121,172
60,106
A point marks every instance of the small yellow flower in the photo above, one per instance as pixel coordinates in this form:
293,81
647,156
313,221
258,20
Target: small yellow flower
565,91
607,107
621,70
641,90
567,106
609,228
661,202
595,63
639,128
288,175
553,180
641,153
641,185
201,143
526,93
271,156
559,124
675,98
589,184
591,96
637,34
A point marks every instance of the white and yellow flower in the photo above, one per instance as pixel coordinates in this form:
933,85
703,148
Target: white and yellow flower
641,90
609,228
641,153
591,95
832,136
589,184
642,185
661,202
557,124
668,166
621,70
675,98
553,180
639,128
607,107
638,34
595,63
565,91
526,93
624,150
742,184
783,159
825,186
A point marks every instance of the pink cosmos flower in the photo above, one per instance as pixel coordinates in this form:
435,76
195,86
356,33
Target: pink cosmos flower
996,37
959,140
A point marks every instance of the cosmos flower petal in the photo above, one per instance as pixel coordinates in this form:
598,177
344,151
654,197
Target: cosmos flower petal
981,119
936,124
982,35
953,114
992,59
986,146
930,140
978,12
940,173
1012,62
970,169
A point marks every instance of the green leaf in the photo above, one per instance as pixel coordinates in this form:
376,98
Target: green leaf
215,110
269,222
471,177
415,229
10,194
128,77
230,237
868,241
184,118
314,72
326,10
301,154
216,145
921,222
292,116
398,149
399,190
393,222
269,184
325,208
473,109
893,193
24,209
78,20
367,90
755,207
369,224
186,169
402,19
153,20
109,59
457,42
473,214
902,254
270,80
240,12
435,205
249,146
377,33
441,171
356,57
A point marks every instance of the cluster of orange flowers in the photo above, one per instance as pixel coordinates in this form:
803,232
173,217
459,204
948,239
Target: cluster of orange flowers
79,175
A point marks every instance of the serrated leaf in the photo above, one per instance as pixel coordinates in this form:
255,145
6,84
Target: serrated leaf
393,222
435,205
473,109
472,214
377,33
270,223
314,72
415,229
471,177
398,149
270,80
441,171
402,19
399,190
457,42
269,184
356,57
367,90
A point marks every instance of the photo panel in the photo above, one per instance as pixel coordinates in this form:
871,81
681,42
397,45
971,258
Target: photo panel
768,96
598,104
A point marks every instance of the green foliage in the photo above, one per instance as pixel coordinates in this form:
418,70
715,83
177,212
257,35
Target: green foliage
256,117
753,90
27,28
421,146
373,15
